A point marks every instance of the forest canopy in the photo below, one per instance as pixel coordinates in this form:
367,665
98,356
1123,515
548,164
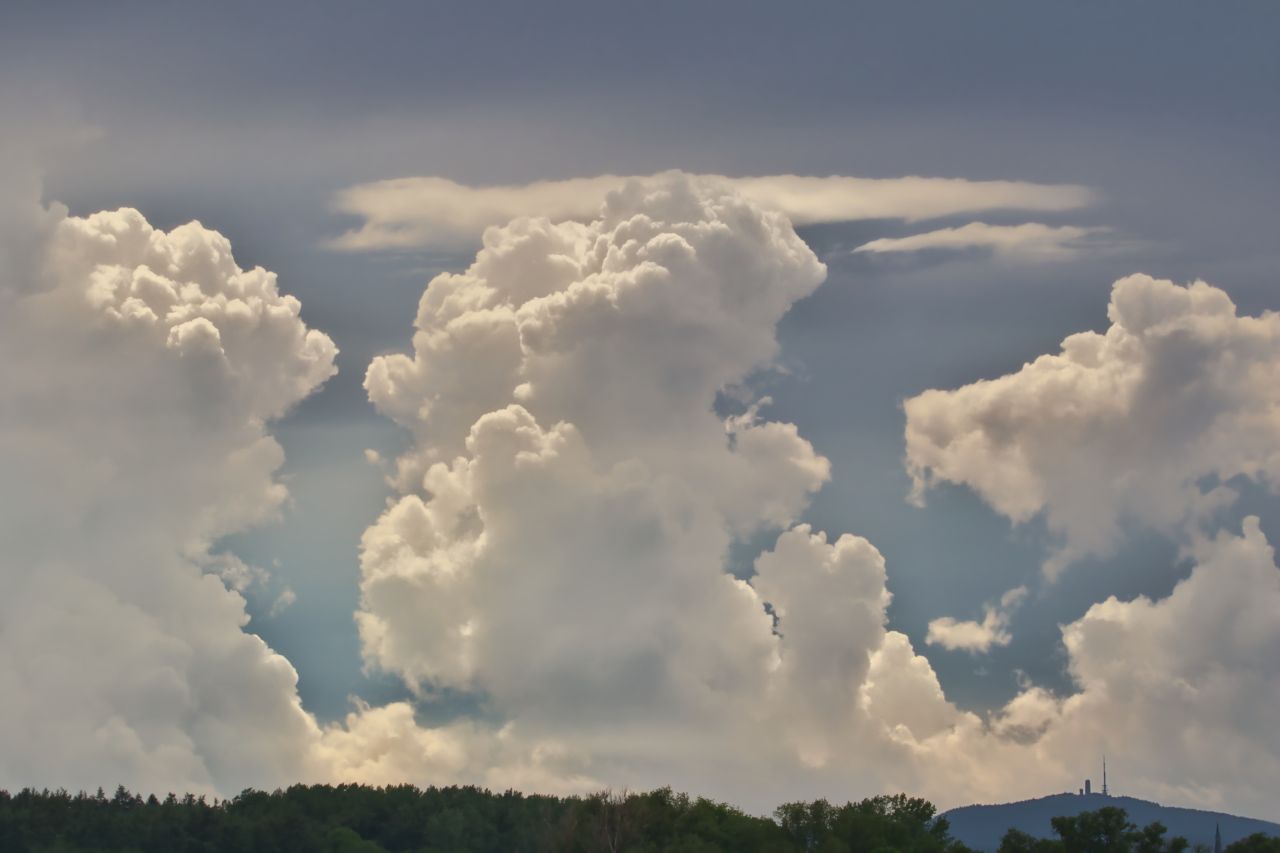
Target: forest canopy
362,819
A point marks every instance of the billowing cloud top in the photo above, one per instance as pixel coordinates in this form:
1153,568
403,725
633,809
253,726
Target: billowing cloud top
422,211
561,393
559,550
138,369
558,547
1147,422
571,496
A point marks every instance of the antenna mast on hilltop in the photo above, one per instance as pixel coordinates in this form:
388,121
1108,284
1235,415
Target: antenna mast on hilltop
1104,775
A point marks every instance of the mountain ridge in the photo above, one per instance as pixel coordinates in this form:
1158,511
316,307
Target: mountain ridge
982,826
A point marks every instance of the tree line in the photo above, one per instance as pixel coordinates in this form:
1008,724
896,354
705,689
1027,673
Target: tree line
458,819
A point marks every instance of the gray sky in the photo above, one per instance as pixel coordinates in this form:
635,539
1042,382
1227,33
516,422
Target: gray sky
250,117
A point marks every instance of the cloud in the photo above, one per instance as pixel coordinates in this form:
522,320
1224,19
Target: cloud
26,227
424,211
977,637
1179,687
385,745
558,554
569,501
286,599
1147,422
558,548
1029,241
138,371
560,394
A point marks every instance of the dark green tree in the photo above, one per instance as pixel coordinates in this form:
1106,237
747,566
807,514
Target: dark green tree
1256,843
1017,841
1106,830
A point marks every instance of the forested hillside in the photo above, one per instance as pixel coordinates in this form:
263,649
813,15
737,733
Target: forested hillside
359,819
984,826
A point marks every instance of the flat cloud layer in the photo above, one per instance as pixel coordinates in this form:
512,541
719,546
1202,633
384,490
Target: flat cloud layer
1147,422
422,211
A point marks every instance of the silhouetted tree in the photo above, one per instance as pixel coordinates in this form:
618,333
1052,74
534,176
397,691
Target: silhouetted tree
1017,841
1256,843
1106,830
458,819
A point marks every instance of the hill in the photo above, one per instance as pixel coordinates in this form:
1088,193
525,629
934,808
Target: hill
982,827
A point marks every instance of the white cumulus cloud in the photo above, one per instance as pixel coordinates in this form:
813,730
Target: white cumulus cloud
1180,688
419,211
558,547
1147,422
559,550
571,496
975,637
570,479
138,372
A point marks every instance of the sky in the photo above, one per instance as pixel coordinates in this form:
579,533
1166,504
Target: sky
773,403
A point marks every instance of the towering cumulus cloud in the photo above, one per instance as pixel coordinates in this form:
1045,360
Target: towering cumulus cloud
570,497
1146,423
559,550
138,370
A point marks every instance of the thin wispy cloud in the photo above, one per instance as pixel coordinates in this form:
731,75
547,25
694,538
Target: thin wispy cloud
1032,241
415,212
